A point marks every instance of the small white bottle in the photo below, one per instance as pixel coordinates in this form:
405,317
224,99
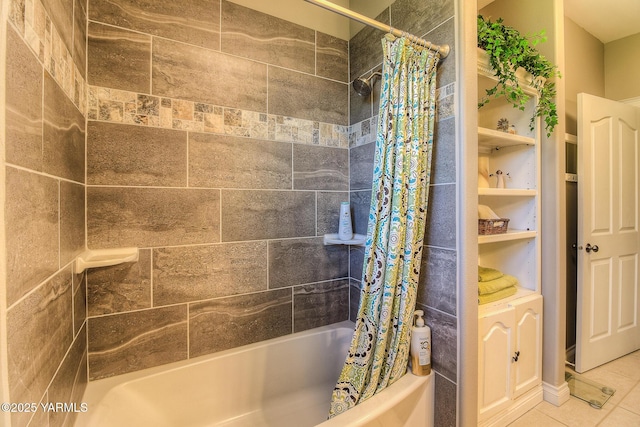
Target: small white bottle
345,230
420,346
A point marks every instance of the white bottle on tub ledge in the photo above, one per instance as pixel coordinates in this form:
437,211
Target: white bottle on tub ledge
345,230
420,346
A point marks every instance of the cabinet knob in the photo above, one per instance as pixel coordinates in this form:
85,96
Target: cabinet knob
517,355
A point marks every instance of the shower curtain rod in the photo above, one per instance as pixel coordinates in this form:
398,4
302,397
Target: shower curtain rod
444,49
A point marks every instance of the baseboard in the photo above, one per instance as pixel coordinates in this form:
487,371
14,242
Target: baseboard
518,408
556,395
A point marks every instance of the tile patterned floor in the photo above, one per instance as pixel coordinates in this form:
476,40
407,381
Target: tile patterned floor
622,410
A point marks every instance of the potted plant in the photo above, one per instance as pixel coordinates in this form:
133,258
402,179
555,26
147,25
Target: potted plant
509,52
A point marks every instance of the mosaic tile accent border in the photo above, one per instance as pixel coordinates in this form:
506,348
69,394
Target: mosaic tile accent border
364,132
119,106
37,29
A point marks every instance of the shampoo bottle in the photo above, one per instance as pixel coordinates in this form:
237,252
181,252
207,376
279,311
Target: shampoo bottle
420,346
345,230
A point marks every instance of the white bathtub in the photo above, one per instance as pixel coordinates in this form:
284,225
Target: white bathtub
281,382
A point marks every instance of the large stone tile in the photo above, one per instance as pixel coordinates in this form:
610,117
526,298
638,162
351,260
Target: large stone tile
23,101
438,279
418,17
299,261
445,402
64,135
192,273
193,73
72,221
67,381
32,234
120,288
360,205
193,22
443,169
356,262
80,36
39,332
445,34
365,48
120,154
257,215
221,161
79,302
320,304
146,217
329,211
361,161
225,323
332,56
361,107
265,38
441,216
354,299
303,96
61,14
128,342
320,168
118,58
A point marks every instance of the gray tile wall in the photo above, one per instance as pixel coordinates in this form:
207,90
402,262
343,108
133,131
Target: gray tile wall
210,146
437,294
44,207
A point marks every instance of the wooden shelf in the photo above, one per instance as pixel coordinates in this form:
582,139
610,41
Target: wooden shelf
495,139
509,235
507,192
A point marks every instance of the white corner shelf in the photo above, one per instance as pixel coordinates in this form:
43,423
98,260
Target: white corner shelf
104,258
333,239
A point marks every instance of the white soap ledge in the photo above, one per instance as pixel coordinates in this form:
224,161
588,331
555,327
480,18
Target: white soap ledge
104,257
333,239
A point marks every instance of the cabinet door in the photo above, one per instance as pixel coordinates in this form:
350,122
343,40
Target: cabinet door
496,347
528,367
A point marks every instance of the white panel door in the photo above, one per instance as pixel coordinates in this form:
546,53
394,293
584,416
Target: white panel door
608,235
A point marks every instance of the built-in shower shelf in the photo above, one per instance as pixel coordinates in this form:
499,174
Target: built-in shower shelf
104,258
333,239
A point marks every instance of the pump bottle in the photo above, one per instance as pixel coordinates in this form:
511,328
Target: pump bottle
420,346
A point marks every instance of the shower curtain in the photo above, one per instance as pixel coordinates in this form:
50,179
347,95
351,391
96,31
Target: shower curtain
380,346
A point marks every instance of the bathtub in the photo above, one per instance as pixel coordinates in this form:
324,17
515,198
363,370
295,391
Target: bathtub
281,382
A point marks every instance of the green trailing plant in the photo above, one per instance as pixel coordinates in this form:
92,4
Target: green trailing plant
508,50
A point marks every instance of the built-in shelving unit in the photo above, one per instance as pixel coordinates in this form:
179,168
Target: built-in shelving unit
510,329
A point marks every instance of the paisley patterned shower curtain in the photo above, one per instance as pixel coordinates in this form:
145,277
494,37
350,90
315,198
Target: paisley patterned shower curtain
380,346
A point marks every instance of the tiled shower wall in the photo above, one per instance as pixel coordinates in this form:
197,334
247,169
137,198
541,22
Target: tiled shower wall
217,142
434,21
44,207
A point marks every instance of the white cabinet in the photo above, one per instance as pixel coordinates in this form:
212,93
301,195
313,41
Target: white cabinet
510,358
510,329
